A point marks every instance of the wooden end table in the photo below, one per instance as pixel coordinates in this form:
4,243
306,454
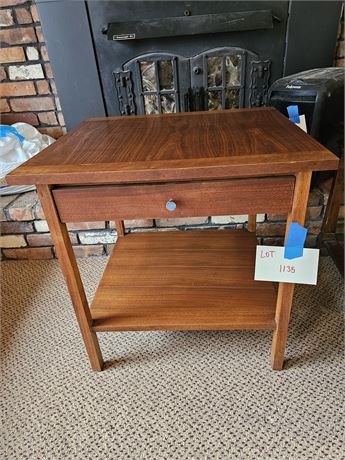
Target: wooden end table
246,161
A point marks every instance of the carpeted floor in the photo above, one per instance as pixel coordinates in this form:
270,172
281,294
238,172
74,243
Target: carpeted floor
167,395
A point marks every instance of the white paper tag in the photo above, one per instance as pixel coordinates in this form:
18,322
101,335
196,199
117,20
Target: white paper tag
302,123
270,265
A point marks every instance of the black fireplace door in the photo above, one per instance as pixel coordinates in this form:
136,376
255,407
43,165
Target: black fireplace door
161,57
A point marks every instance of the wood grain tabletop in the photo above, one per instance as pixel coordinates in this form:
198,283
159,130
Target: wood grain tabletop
174,147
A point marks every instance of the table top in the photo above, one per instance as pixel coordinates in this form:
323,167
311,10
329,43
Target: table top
175,147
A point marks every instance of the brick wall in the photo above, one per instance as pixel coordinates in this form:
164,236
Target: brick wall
28,94
27,88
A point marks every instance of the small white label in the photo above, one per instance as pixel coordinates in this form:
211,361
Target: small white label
270,265
302,123
124,37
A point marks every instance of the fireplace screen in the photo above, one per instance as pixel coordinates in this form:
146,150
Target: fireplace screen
156,83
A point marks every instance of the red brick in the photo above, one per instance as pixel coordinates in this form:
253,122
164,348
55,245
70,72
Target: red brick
61,119
23,16
138,223
8,228
39,214
86,225
53,86
314,198
6,18
10,118
44,239
28,253
39,34
22,207
42,87
313,212
5,201
39,239
12,54
48,70
12,241
32,104
326,188
4,107
57,103
47,118
53,132
90,250
3,75
181,221
34,13
270,241
270,229
18,36
276,217
12,2
44,53
310,241
340,63
134,223
313,227
25,88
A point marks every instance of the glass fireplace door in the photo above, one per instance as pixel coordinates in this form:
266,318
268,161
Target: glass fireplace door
164,83
159,82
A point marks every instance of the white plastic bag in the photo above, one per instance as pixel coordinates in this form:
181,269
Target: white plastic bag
14,152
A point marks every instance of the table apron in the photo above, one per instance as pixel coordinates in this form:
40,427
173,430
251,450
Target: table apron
198,198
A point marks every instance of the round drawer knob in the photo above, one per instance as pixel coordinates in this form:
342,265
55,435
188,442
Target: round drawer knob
171,205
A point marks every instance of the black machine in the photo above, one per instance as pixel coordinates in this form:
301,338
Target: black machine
319,95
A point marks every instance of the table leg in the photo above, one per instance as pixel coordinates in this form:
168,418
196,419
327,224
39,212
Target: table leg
71,273
285,290
120,227
251,223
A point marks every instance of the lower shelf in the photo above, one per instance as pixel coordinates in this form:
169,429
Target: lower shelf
183,281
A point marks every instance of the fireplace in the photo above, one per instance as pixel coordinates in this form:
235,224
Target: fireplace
171,56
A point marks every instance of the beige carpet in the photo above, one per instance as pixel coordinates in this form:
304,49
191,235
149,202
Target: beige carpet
167,395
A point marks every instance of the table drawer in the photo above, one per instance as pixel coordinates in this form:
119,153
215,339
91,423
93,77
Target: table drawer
192,199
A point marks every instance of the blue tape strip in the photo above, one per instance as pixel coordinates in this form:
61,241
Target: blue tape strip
295,241
293,113
5,130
